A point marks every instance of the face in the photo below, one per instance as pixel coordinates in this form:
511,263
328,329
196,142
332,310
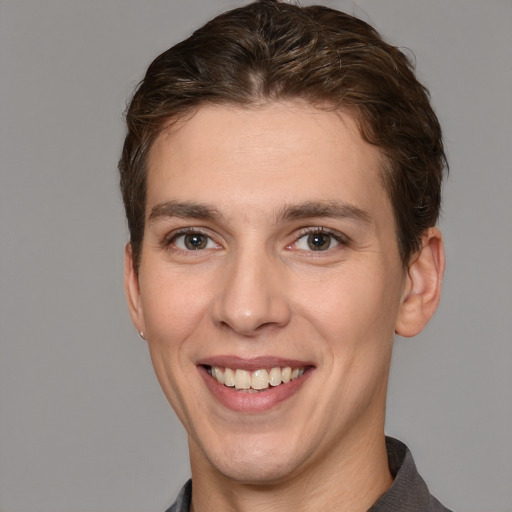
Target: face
269,286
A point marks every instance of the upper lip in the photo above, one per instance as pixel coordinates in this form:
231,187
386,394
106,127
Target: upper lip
252,363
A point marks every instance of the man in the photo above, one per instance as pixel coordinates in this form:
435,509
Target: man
281,176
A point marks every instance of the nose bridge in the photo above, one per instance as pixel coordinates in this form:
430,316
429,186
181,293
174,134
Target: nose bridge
252,292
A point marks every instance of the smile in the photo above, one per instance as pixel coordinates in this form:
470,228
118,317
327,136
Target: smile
257,380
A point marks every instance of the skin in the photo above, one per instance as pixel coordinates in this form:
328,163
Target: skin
258,289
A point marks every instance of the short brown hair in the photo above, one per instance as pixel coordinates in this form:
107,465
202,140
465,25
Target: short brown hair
270,51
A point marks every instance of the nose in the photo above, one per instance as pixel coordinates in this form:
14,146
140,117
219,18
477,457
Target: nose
252,294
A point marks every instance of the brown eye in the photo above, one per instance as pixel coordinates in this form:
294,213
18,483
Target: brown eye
193,242
319,241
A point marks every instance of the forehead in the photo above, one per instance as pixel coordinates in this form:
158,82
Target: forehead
260,157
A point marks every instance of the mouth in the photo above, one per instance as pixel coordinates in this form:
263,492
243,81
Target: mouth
254,385
256,381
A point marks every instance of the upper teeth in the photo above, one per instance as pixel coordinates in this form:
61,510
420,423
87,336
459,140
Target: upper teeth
258,379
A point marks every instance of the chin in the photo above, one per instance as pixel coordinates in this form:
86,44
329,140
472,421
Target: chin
257,472
256,462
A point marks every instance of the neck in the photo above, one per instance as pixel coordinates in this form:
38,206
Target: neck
351,478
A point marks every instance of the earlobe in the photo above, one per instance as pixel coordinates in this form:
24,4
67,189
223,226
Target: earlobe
132,290
422,291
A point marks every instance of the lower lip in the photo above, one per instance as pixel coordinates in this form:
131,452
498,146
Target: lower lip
252,403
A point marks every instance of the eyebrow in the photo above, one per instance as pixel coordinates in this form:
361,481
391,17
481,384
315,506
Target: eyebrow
183,209
307,210
333,209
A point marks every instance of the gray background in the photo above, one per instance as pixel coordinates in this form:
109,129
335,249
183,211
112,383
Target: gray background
83,423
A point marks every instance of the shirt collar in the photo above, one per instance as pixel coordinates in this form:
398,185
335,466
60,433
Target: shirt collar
408,493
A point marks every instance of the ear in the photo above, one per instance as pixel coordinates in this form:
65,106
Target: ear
132,290
422,290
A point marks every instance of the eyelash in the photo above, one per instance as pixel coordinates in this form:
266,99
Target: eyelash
167,242
342,239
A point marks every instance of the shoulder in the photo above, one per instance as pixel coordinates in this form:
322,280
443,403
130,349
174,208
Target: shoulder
409,492
182,503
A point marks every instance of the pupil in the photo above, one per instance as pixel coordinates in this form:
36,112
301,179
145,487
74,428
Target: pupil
318,241
195,241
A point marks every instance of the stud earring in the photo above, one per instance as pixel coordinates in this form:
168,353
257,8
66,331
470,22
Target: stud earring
141,334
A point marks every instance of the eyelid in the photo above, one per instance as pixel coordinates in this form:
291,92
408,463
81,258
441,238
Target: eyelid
168,239
341,238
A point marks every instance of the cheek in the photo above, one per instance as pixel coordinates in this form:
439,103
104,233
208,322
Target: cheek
356,311
173,304
175,307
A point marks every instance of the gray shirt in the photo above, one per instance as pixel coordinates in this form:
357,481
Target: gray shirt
408,493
